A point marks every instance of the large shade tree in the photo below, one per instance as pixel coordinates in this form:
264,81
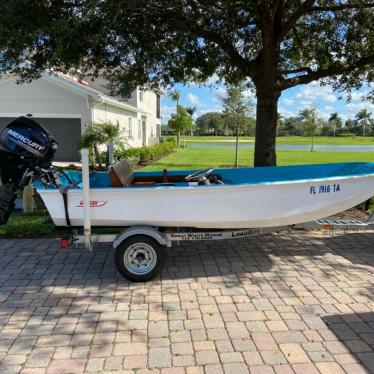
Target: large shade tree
211,123
273,44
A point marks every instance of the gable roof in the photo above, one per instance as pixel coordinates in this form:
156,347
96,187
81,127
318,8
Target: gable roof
83,87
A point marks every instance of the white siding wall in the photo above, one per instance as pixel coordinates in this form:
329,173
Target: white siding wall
106,112
133,99
149,105
42,99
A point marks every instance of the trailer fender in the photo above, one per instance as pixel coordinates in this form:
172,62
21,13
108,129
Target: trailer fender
141,230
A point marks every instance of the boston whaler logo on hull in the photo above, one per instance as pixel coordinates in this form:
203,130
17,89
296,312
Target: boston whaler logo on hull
20,139
93,204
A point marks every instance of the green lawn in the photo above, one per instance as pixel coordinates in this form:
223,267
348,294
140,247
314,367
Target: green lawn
27,226
197,158
38,225
292,140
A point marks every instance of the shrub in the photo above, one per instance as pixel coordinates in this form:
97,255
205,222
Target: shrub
143,155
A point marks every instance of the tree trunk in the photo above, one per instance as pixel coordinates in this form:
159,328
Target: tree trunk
266,126
178,139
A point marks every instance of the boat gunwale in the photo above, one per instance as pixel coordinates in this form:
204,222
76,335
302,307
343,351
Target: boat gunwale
210,188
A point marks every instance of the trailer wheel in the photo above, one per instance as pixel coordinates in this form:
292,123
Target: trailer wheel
139,258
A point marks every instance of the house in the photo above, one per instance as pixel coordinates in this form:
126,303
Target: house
66,105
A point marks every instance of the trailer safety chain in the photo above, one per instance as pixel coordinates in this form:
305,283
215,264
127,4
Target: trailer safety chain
64,192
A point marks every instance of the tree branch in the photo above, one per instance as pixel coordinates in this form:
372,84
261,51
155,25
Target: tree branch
245,65
336,69
299,70
287,26
340,7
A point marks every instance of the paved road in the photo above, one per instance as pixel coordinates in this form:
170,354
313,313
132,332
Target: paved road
290,303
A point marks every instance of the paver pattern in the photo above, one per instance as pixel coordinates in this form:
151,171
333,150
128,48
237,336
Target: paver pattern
295,302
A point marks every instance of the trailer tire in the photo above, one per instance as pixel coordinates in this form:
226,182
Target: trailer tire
140,258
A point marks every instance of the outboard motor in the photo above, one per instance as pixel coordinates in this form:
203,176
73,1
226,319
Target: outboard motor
26,149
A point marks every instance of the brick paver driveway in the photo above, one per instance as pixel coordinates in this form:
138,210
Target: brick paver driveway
288,303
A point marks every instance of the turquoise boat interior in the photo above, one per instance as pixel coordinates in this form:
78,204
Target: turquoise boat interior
123,176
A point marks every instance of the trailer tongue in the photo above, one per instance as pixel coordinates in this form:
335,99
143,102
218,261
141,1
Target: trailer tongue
26,149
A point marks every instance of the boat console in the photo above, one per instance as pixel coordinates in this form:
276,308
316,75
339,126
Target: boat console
122,175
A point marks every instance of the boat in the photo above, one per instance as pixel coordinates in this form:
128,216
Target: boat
262,197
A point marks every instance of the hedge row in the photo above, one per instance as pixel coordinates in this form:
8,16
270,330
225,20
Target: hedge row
143,155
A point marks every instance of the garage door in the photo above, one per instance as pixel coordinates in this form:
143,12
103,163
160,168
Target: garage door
66,132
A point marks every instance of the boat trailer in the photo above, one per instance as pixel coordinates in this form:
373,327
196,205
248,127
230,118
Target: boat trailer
140,250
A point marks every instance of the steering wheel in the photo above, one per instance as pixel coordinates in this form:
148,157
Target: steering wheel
198,176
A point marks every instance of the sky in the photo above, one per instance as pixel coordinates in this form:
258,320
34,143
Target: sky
206,99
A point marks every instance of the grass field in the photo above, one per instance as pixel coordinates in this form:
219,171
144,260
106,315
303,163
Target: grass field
38,225
195,158
292,140
27,226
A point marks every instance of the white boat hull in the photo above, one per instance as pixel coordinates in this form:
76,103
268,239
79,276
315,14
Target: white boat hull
218,206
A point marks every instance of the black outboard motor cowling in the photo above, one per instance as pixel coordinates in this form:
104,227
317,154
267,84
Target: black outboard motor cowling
26,148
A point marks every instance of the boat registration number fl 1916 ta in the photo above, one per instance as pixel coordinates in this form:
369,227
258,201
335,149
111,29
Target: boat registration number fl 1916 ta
324,188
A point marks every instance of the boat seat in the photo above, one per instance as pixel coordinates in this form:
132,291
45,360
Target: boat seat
121,174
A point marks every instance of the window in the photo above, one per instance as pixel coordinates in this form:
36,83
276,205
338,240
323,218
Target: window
139,129
158,109
140,95
130,127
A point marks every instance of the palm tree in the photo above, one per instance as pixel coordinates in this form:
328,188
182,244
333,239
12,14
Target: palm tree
335,121
99,133
363,117
181,121
92,140
191,111
175,96
309,116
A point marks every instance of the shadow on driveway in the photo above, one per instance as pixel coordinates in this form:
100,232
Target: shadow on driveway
356,332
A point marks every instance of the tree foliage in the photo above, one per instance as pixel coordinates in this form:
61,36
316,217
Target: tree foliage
335,123
274,44
235,109
210,123
98,134
180,122
312,122
213,123
364,120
